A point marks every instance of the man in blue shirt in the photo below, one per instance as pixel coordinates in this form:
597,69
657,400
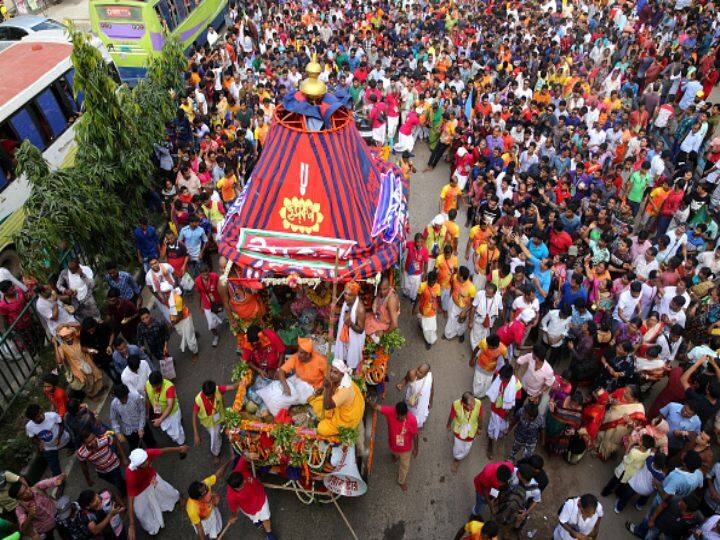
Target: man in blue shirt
122,281
195,240
572,290
681,482
682,420
146,243
537,247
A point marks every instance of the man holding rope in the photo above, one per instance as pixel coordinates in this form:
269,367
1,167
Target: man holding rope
246,494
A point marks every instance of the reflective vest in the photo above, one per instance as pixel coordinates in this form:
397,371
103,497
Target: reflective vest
158,401
217,415
433,239
460,419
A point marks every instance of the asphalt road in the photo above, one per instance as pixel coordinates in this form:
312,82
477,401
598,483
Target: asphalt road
438,501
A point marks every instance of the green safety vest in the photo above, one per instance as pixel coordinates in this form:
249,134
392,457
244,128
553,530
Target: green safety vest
218,410
159,400
433,238
473,421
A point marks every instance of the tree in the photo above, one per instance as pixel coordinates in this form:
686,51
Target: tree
95,203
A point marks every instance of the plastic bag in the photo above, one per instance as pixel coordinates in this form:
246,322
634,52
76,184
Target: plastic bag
186,282
167,368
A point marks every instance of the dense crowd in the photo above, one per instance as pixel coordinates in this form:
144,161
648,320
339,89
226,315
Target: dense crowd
580,138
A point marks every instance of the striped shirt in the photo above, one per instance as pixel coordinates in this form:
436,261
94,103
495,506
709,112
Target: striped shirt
102,457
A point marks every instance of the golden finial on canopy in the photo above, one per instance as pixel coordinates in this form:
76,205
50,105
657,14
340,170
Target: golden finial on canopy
312,87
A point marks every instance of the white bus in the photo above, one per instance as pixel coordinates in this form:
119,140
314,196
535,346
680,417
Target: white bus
36,104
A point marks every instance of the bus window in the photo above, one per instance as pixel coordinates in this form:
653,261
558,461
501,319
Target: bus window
64,92
166,16
24,125
9,143
179,9
70,76
52,113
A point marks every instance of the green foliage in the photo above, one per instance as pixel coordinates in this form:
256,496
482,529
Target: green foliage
347,436
391,341
232,418
283,435
239,371
96,202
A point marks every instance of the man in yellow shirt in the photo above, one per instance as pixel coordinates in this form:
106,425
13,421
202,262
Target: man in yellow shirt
462,294
202,505
453,229
654,201
446,266
426,307
261,132
341,403
226,186
449,196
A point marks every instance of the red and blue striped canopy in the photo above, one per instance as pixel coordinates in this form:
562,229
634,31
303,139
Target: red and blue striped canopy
312,196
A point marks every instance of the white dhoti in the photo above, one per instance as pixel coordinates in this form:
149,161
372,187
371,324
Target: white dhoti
214,320
172,426
410,285
404,143
461,448
351,351
431,263
417,398
497,427
445,299
378,134
429,328
454,327
392,125
481,382
212,525
186,331
274,398
478,333
215,433
462,180
149,505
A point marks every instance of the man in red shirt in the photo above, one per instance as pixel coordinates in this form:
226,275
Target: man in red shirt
246,494
488,483
560,240
147,492
416,264
263,351
402,437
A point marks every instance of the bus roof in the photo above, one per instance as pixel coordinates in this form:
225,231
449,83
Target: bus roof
28,63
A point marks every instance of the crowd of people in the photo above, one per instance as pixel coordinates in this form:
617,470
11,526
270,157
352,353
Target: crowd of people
580,142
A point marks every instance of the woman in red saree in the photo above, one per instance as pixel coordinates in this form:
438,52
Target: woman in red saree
592,416
623,412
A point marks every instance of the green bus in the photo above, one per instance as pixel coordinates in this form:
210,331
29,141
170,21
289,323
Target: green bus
132,30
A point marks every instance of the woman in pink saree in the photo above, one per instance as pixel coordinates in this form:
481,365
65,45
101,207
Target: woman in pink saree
621,416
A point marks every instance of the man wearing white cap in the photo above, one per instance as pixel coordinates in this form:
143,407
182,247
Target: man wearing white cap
180,318
435,235
148,494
